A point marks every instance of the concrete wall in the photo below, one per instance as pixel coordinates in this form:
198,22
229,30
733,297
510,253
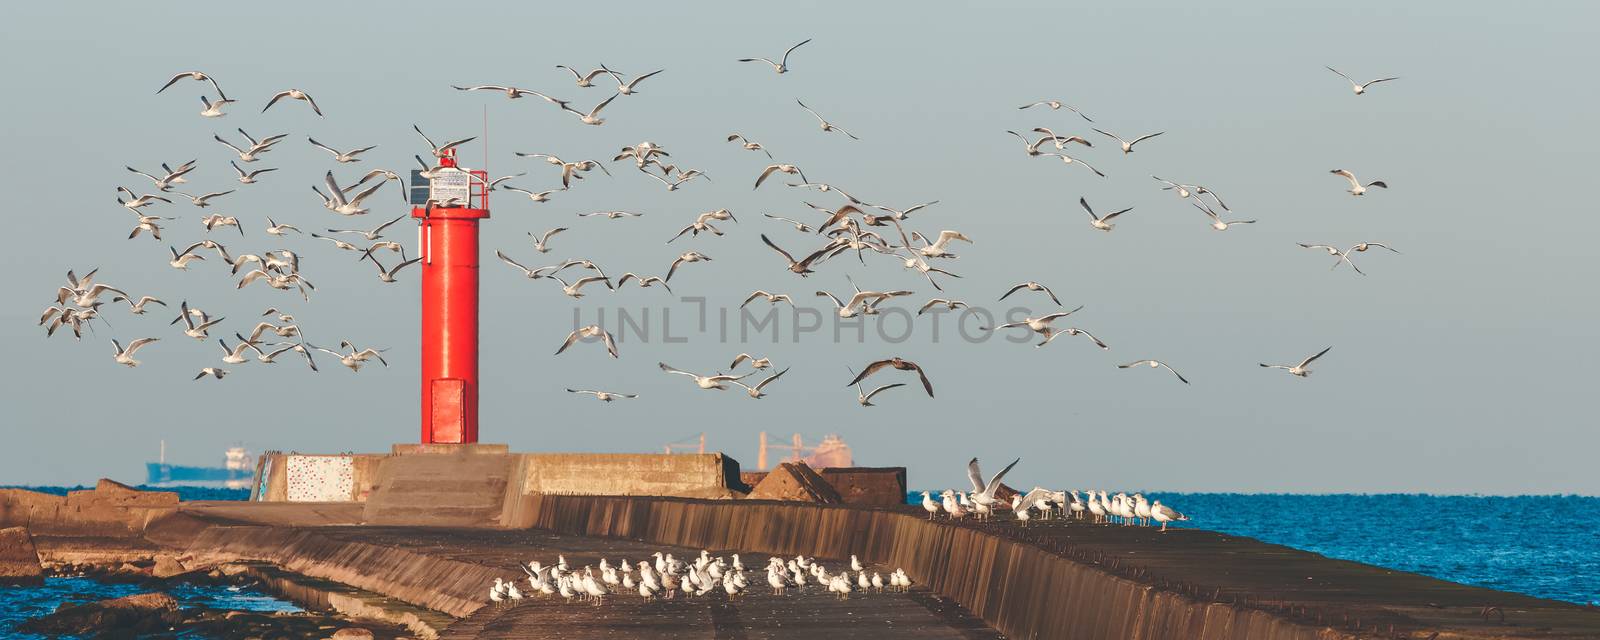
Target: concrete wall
1022,590
884,486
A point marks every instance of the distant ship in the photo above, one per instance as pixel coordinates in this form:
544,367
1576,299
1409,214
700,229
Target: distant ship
238,467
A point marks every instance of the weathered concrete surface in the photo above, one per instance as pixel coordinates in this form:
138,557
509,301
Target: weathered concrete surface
110,509
328,596
441,489
19,560
697,475
880,486
1085,581
795,481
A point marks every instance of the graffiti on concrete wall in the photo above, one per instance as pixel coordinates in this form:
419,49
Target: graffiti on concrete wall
319,478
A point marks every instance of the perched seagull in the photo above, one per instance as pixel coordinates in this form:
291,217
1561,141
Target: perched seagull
540,241
983,492
1358,87
1102,223
1299,369
644,281
585,79
1216,221
293,94
125,356
756,391
826,126
1127,146
204,200
591,331
781,168
211,371
191,75
1153,364
1164,514
691,256
214,109
772,298
341,157
1033,286
249,177
782,65
1055,105
748,145
536,196
798,226
627,88
603,396
592,117
1356,188
706,382
950,305
897,363
337,202
373,234
511,92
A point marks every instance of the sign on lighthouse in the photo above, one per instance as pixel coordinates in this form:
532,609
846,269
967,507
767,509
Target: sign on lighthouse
448,234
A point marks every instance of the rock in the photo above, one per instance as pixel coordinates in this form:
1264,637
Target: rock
167,566
19,561
351,633
143,613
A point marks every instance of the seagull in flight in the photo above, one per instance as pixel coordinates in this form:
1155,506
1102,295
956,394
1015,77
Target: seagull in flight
690,256
214,109
1301,369
1102,223
951,305
536,196
341,157
706,382
257,147
628,88
603,396
782,65
336,201
585,80
293,94
803,266
387,275
1127,146
772,298
864,398
591,331
748,145
983,492
172,177
756,391
1342,255
896,363
203,201
1066,159
511,92
826,126
192,75
613,215
249,177
1216,221
125,356
532,274
592,117
781,168
1033,286
374,233
1054,105
1359,87
540,241
798,225
1153,364
1186,190
1356,188
440,151
1041,325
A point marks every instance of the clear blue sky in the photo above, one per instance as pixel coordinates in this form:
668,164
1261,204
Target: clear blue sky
1460,366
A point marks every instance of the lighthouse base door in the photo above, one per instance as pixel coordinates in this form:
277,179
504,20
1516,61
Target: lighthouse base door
448,421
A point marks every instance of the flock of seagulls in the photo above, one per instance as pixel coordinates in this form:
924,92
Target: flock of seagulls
982,502
665,577
843,225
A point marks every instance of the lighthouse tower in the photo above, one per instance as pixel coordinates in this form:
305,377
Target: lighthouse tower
448,207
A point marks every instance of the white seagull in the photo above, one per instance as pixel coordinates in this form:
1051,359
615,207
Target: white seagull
1356,188
125,356
1055,105
1216,221
341,157
603,396
782,65
1127,146
591,331
293,94
826,126
1153,364
1359,87
1102,223
705,382
1033,286
1301,369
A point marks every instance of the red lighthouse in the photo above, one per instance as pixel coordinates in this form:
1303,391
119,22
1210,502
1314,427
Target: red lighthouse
447,241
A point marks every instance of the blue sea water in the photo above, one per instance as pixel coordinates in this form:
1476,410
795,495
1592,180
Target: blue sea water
1545,546
22,603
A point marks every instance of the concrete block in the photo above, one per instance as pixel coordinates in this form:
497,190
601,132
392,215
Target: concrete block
19,560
